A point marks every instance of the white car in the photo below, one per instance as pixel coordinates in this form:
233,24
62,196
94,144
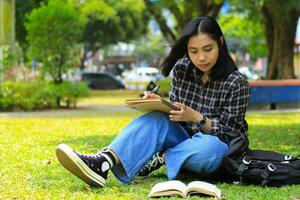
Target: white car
248,73
140,77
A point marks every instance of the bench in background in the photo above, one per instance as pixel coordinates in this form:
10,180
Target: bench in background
274,91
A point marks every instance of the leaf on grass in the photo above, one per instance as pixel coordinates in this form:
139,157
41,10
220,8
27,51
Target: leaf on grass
47,162
86,188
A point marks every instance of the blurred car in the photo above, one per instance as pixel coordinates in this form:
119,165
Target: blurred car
250,75
99,81
140,77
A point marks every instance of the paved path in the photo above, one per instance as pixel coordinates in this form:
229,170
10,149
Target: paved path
81,109
90,109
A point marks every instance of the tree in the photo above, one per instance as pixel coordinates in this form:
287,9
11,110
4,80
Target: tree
182,12
110,22
280,21
53,31
7,30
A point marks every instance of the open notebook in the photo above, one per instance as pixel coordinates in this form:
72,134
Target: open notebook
175,187
146,105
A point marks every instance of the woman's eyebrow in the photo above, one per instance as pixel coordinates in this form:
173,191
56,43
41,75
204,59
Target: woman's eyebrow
192,47
208,45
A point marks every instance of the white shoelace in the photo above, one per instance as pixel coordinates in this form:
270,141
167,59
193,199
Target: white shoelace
94,156
156,159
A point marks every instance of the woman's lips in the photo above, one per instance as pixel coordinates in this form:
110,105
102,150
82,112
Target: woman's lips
204,65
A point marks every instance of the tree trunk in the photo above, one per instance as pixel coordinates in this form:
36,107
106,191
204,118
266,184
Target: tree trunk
168,34
189,10
280,34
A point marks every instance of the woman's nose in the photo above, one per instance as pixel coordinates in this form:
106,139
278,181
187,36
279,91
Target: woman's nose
201,57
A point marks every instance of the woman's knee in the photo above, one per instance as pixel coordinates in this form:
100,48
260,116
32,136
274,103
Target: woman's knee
156,114
205,154
156,117
203,163
210,142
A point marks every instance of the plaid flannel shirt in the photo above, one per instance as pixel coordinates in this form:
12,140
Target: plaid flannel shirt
223,101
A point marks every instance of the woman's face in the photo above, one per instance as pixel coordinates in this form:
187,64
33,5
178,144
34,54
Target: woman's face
203,52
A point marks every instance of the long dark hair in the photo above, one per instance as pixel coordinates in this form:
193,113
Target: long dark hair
224,65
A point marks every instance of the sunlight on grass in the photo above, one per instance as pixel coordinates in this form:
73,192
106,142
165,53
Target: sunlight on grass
279,132
275,119
30,170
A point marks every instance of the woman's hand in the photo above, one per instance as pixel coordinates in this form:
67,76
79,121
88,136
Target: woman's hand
186,114
149,95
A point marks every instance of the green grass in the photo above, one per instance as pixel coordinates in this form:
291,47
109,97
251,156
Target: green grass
110,97
30,170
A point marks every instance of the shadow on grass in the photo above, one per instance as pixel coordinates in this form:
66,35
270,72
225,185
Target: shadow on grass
87,144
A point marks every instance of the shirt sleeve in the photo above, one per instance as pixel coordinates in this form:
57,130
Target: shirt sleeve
174,92
231,121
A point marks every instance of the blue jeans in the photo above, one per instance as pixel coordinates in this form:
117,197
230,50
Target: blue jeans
153,132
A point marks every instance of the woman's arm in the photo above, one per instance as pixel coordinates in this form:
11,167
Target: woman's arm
231,121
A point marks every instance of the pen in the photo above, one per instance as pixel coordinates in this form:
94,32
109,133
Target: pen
154,89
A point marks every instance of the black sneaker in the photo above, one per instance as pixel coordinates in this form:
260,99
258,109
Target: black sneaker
155,163
92,169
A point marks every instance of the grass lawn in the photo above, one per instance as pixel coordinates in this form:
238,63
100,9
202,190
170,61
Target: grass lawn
30,170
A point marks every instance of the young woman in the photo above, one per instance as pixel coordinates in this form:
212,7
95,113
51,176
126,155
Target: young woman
212,96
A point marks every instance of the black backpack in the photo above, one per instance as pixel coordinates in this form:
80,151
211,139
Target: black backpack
266,168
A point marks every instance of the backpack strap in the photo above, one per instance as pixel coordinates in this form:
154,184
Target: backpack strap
243,166
246,161
266,173
270,156
270,168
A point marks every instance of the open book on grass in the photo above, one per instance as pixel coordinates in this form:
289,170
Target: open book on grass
175,187
146,105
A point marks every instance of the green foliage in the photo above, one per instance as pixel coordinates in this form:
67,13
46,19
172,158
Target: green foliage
107,21
151,49
252,8
68,93
95,9
11,55
110,22
23,8
165,86
249,33
53,30
40,95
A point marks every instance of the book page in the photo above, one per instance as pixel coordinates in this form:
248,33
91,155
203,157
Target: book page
203,187
168,188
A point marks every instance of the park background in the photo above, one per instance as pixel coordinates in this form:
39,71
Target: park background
44,44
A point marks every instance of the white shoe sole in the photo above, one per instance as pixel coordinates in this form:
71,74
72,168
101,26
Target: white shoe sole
76,166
